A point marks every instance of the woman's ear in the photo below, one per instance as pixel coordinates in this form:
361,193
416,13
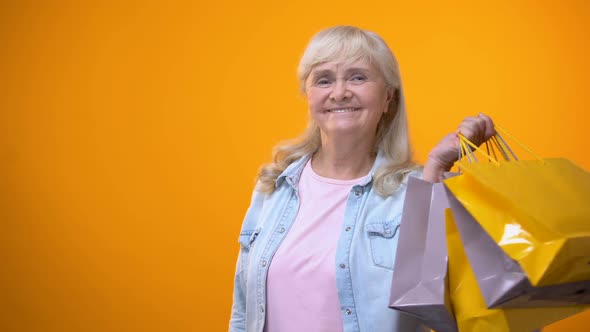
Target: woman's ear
390,94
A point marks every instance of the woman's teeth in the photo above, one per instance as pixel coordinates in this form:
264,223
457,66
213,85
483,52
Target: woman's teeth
343,110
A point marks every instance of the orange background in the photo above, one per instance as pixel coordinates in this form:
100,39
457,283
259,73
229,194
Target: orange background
131,132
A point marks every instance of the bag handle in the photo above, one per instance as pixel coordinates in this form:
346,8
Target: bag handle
498,128
465,144
496,142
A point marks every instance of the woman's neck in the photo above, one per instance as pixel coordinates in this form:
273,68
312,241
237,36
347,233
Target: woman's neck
344,158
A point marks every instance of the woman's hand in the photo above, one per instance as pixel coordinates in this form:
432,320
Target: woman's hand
441,158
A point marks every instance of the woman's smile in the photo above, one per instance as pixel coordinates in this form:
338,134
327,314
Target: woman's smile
343,110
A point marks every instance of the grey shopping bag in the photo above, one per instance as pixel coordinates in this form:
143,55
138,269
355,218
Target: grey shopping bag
501,280
419,285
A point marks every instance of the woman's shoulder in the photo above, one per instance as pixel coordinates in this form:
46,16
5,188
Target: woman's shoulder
417,172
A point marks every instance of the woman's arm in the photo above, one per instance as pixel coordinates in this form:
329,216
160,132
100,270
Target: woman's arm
442,157
237,322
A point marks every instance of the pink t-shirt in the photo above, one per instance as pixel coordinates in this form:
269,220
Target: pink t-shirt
301,284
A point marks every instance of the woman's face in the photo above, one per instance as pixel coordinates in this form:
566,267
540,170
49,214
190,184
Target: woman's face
347,98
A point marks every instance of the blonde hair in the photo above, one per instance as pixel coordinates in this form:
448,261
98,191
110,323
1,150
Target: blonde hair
351,44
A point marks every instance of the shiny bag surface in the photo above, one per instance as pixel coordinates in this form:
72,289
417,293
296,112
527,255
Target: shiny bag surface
536,211
469,307
500,279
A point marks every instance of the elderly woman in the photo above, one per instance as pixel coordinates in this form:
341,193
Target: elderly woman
318,242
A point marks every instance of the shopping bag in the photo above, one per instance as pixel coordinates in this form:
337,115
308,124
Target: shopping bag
537,211
468,304
419,285
500,279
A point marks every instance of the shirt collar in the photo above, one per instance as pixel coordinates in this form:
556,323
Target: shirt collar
292,173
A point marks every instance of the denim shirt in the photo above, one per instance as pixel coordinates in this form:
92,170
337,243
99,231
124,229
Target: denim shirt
364,255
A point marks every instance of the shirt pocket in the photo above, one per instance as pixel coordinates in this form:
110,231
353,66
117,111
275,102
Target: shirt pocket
383,236
247,239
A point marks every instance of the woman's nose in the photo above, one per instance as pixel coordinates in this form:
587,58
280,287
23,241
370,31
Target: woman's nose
340,92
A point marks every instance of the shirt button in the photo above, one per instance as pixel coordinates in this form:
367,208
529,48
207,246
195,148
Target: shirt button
357,193
263,263
342,265
388,231
261,308
282,230
347,228
348,311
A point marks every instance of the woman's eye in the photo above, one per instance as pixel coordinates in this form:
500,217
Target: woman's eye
322,82
358,78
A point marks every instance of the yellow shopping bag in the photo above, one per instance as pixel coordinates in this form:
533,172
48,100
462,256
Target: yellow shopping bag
469,306
538,211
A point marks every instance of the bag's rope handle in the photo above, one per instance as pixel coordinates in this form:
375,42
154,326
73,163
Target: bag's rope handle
498,128
465,141
464,150
496,140
504,145
488,149
470,153
500,148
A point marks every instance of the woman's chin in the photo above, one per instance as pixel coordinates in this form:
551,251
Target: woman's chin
341,129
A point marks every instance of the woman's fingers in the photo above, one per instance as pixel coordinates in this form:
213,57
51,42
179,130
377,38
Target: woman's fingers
477,129
489,126
446,152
